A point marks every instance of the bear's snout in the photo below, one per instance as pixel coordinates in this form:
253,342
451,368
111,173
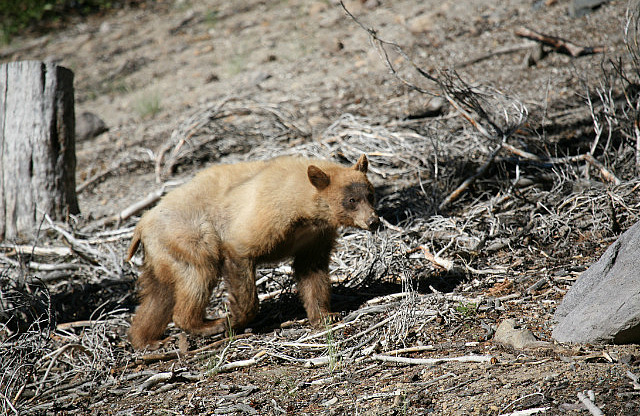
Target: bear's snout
373,222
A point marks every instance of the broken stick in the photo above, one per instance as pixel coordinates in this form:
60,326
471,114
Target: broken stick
558,44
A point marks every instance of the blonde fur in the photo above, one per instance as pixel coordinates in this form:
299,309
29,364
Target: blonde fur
230,218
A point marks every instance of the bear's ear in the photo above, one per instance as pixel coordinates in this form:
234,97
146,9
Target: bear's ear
317,177
362,164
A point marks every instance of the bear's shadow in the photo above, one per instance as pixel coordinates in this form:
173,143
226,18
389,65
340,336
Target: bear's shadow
344,300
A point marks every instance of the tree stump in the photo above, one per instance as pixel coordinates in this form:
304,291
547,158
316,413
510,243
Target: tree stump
37,147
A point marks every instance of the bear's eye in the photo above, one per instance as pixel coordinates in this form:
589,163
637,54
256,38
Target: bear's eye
352,200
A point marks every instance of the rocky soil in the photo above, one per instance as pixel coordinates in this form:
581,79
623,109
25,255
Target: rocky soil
184,84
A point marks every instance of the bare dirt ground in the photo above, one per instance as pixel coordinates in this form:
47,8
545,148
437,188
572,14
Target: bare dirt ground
185,84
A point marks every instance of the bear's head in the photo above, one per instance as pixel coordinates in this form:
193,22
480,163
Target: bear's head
348,194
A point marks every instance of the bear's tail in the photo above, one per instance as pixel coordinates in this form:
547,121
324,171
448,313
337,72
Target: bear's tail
135,243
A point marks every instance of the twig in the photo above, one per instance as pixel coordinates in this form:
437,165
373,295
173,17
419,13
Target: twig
8,402
431,361
500,51
537,285
608,176
559,44
220,359
323,333
368,310
383,53
366,331
591,407
44,267
527,412
242,363
271,295
55,356
385,299
470,180
187,130
155,379
417,348
302,345
587,157
136,207
36,251
435,259
216,344
513,403
170,355
634,380
78,324
464,112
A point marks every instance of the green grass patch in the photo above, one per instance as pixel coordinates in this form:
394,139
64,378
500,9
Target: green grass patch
42,15
147,105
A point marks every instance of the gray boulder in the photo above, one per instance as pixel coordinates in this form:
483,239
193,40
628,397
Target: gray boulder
603,305
88,126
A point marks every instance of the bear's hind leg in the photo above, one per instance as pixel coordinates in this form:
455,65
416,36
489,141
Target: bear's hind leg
154,312
194,247
192,298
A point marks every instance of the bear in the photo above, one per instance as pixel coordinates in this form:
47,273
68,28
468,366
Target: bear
228,219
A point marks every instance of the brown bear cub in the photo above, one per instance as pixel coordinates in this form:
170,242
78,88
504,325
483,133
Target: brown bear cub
230,218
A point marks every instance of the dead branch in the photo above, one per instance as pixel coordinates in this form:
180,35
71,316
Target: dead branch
558,44
587,157
77,245
54,356
155,379
323,333
588,403
634,380
8,402
418,348
464,98
470,180
171,355
380,48
433,361
22,250
45,267
242,363
501,51
370,329
527,412
78,324
435,259
136,207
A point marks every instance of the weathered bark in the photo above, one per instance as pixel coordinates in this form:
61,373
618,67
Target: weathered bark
37,146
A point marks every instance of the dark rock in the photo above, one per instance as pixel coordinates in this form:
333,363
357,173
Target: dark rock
579,8
603,305
88,126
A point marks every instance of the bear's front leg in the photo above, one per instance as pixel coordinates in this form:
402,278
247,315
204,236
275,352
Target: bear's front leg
314,285
240,279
